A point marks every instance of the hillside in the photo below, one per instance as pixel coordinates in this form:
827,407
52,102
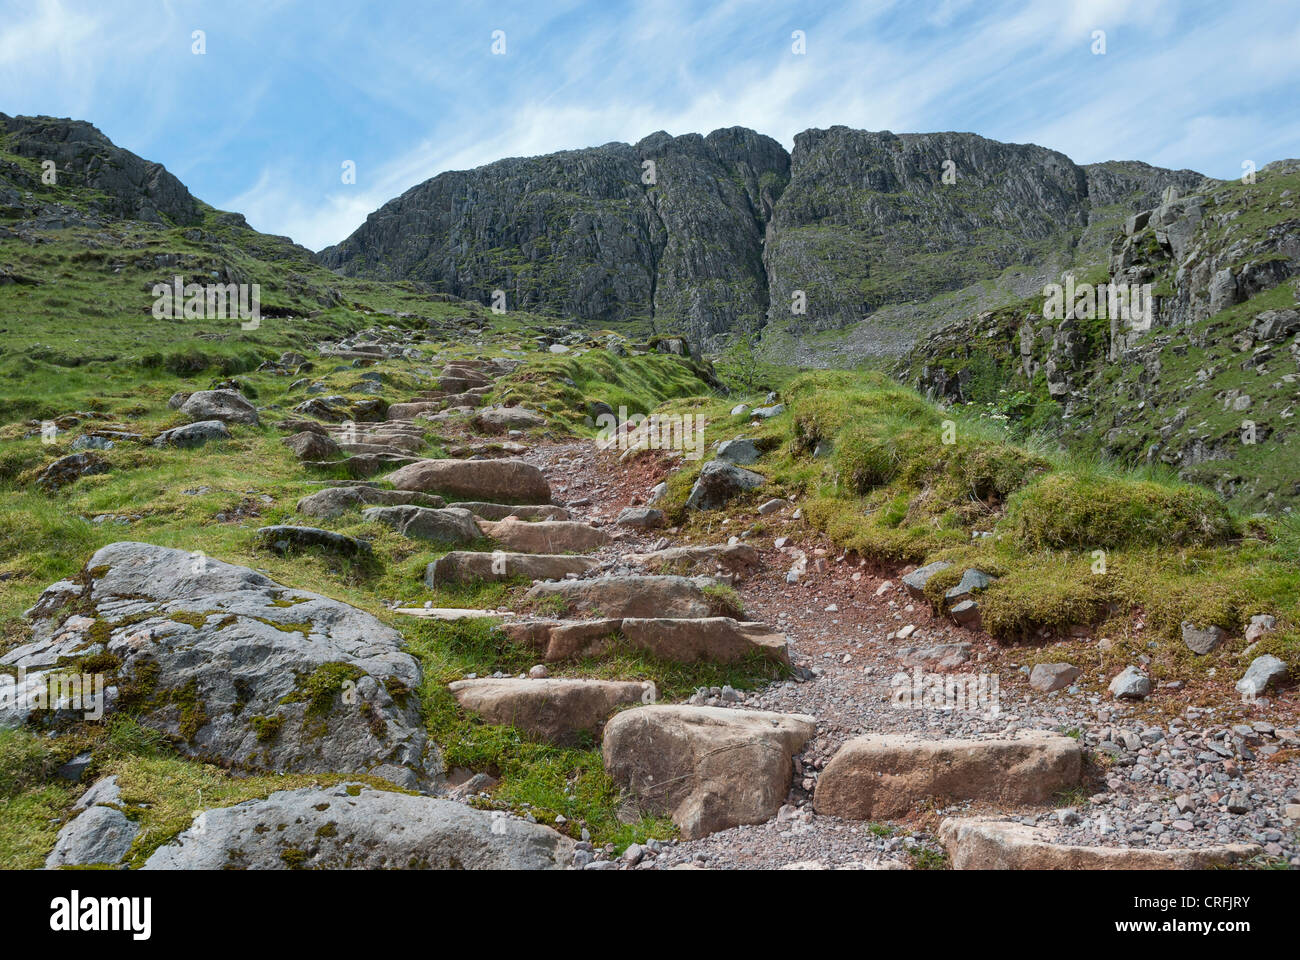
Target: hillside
862,223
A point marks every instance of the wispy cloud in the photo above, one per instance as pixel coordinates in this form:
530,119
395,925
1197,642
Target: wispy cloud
289,91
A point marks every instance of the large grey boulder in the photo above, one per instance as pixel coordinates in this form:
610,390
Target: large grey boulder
236,668
229,406
718,483
357,827
449,525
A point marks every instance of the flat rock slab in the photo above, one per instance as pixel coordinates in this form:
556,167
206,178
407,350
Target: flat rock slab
495,480
238,669
706,767
546,536
737,560
450,614
358,827
718,639
556,710
985,843
636,596
885,776
499,511
464,566
448,525
285,539
334,501
558,640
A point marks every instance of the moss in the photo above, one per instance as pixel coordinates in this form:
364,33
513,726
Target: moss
293,858
266,728
190,618
326,830
319,688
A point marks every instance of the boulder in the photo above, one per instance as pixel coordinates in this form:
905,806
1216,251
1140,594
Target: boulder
236,668
884,776
545,536
985,843
73,467
192,434
767,413
640,518
309,445
100,834
1047,677
497,480
448,525
718,483
636,596
915,581
1261,672
1130,684
739,451
557,711
228,406
1202,640
707,768
462,566
333,501
718,639
284,539
972,581
359,827
736,560
501,419
967,614
499,511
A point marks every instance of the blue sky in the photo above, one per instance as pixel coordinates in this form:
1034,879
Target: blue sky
287,91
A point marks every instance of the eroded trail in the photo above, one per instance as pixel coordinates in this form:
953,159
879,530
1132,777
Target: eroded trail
1128,791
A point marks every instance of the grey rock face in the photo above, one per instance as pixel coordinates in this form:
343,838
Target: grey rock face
598,233
136,189
719,482
236,668
356,827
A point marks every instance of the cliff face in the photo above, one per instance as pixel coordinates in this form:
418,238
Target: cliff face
117,183
727,233
668,232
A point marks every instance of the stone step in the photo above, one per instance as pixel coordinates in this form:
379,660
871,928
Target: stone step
476,479
707,768
690,640
636,596
463,566
558,711
334,501
381,449
450,614
363,464
987,843
500,511
447,525
505,448
545,536
880,777
738,560
405,411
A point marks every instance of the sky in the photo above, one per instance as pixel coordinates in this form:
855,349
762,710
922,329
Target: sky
287,92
